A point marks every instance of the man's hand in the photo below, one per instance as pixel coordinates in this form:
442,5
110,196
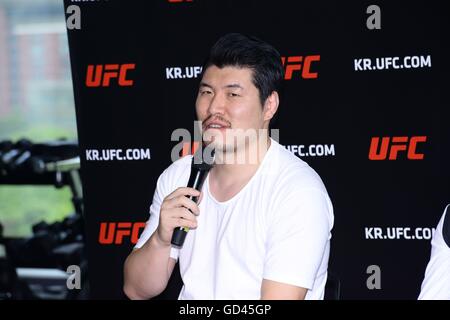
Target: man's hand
175,213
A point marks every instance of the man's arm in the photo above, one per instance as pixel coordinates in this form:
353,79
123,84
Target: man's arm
273,290
297,245
148,269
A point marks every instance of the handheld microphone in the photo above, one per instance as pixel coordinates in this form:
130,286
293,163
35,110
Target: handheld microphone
202,162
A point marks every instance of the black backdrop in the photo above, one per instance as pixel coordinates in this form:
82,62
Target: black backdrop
334,111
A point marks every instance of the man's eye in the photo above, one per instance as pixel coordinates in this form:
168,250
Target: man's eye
205,92
231,94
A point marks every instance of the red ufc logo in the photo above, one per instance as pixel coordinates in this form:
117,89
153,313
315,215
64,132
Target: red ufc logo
101,75
394,146
115,232
189,148
294,63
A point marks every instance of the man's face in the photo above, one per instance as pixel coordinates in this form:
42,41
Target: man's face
227,101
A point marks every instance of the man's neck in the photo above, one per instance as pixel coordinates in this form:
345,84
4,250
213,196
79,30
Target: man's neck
230,173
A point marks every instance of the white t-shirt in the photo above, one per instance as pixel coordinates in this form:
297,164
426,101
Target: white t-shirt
278,227
436,285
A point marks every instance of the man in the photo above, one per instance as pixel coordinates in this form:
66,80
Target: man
262,228
436,285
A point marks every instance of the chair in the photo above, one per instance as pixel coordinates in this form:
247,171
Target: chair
332,287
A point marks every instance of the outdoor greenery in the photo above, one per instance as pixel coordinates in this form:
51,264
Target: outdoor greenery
23,206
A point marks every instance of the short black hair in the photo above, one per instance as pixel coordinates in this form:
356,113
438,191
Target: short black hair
243,51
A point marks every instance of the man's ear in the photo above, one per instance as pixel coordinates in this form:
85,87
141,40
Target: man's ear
271,105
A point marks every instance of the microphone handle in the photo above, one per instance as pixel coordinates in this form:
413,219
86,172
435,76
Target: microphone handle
180,233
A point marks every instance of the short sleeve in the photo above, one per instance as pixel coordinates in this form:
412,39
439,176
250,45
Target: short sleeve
155,207
436,284
298,238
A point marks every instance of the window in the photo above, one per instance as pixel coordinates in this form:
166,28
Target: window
36,102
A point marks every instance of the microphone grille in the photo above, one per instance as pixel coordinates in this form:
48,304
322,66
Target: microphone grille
203,158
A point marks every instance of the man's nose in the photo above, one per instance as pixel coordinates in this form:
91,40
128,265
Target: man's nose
217,104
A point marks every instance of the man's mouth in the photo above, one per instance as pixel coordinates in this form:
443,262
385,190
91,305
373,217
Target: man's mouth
216,125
